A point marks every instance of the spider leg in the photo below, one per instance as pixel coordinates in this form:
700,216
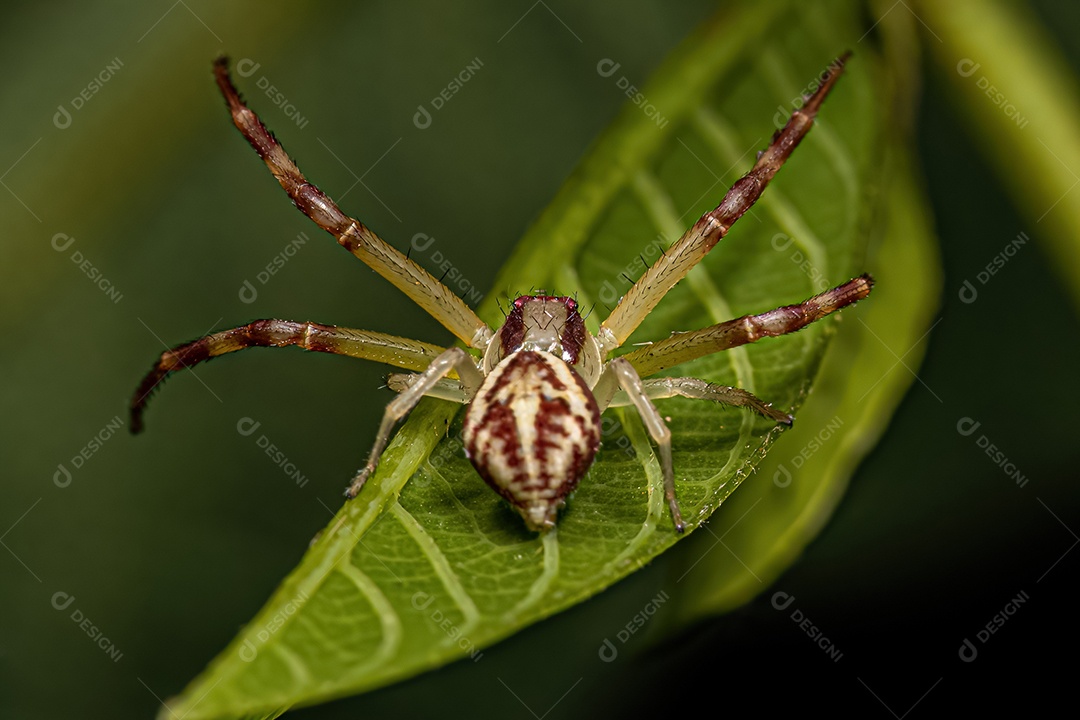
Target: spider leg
400,352
427,292
658,388
399,407
622,373
444,389
673,265
621,383
683,347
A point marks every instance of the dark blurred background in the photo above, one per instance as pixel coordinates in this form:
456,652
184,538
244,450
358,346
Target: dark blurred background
145,178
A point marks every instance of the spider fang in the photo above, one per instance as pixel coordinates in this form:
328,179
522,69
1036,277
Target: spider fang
535,395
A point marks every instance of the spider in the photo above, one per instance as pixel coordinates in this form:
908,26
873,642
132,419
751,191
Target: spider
535,393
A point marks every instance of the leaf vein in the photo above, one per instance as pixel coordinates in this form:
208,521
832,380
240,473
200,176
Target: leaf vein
540,586
441,565
389,622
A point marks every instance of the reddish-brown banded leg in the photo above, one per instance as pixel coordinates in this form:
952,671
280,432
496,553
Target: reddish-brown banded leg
621,383
427,292
401,352
672,266
683,347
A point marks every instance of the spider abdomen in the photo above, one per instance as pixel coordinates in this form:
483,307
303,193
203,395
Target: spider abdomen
532,432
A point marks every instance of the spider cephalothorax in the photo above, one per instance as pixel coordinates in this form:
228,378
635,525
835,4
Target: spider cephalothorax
536,392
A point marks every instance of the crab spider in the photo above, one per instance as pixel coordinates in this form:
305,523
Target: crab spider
534,396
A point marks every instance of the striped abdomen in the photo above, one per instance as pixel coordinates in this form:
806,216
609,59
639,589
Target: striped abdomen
532,432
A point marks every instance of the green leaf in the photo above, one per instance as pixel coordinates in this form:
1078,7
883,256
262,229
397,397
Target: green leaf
428,565
1021,100
869,366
